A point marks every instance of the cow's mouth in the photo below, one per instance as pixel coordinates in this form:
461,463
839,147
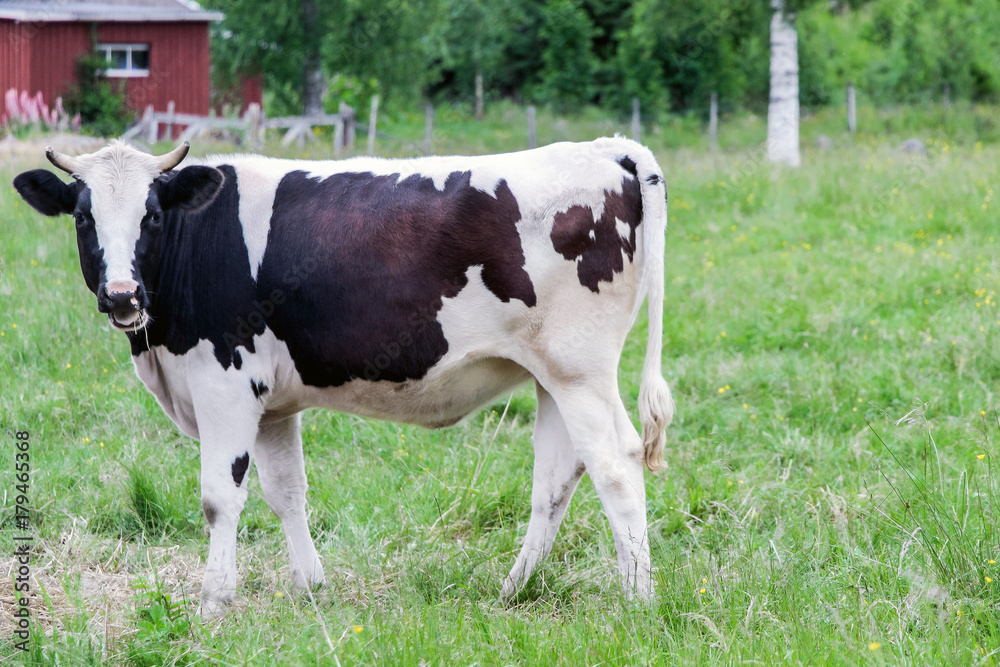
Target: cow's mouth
128,320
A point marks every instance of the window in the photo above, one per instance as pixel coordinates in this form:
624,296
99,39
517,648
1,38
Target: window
125,60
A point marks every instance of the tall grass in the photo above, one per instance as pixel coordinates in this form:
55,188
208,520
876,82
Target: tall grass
832,339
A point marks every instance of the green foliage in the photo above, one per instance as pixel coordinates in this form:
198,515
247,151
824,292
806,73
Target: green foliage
670,54
378,39
99,101
161,625
352,91
902,51
568,61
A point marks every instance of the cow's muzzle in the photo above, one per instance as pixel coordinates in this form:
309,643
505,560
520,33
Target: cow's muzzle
120,299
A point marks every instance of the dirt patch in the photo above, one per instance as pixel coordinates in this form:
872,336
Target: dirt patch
97,580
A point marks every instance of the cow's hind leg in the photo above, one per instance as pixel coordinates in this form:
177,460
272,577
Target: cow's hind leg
282,474
227,434
608,444
557,472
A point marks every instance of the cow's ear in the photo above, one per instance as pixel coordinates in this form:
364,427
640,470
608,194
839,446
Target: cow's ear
189,189
46,193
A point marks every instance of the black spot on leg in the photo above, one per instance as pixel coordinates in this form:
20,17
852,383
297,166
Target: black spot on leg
258,388
210,512
653,179
240,466
560,499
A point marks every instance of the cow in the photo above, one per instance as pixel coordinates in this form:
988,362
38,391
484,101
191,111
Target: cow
413,290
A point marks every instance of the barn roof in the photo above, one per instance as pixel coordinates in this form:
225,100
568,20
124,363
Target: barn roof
105,10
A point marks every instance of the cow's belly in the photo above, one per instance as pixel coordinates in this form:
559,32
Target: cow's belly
441,398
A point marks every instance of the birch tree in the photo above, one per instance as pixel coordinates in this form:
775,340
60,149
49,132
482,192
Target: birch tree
783,103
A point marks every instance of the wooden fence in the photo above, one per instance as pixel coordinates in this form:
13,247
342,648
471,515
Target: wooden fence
251,126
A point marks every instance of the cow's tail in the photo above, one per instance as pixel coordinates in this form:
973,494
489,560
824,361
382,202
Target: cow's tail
656,404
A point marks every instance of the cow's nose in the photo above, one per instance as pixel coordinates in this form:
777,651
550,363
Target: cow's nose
118,295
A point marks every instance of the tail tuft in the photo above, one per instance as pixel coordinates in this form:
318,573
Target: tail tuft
656,410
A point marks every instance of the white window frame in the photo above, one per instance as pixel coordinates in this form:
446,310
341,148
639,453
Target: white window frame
128,71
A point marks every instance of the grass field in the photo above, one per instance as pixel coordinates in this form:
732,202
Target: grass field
832,337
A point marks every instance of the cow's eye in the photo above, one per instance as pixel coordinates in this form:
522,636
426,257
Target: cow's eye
156,219
81,220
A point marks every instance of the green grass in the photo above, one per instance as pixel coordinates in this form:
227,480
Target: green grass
833,341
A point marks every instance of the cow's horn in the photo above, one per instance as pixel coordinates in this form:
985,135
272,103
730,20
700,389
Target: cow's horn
174,157
65,162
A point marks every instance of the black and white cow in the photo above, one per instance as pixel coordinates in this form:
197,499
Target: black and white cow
413,290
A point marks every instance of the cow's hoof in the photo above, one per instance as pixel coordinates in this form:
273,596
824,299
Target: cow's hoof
215,606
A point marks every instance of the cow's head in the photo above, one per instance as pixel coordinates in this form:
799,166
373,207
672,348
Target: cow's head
118,198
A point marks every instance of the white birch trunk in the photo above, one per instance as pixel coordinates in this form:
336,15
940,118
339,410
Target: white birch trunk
783,106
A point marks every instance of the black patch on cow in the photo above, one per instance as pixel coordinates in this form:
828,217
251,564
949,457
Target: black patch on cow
628,164
653,179
189,189
92,262
240,466
46,192
357,264
258,388
596,244
237,360
197,273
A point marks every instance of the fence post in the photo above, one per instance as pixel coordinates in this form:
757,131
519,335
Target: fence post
636,120
150,124
532,139
713,123
338,136
350,125
170,121
253,125
372,121
479,95
852,110
303,128
429,128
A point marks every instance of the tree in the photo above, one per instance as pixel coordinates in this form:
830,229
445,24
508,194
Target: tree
470,41
569,64
783,104
297,44
678,53
313,80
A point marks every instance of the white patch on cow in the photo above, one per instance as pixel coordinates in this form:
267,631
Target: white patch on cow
475,321
486,180
257,181
165,374
624,230
119,178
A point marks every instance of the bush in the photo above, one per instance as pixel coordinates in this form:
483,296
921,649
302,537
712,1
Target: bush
99,102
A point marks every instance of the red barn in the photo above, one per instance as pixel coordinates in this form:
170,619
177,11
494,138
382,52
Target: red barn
159,47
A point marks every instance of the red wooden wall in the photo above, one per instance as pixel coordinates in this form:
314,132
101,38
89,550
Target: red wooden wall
42,57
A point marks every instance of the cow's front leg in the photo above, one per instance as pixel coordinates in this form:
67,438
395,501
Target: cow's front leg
228,430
